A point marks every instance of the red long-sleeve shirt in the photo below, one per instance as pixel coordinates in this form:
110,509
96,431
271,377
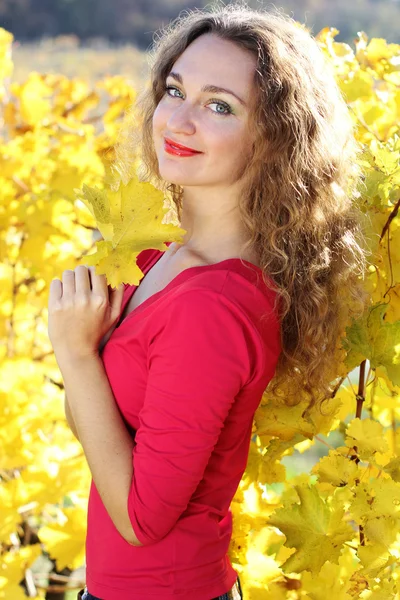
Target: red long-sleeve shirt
187,368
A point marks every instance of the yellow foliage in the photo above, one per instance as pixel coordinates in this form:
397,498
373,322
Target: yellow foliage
128,218
313,527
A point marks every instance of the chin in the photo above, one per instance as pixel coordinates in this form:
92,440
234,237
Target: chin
175,175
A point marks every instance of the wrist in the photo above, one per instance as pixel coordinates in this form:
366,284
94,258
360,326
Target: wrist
74,360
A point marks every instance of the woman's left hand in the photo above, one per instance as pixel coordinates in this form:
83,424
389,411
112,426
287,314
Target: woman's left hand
82,308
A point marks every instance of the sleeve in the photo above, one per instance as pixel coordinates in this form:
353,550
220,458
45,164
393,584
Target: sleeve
198,362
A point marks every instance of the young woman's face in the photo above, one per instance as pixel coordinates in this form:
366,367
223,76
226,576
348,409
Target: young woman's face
214,123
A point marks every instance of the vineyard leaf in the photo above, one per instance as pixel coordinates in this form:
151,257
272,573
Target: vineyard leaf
384,590
328,583
314,529
380,530
66,541
373,557
367,435
379,498
336,469
370,337
283,421
130,220
392,468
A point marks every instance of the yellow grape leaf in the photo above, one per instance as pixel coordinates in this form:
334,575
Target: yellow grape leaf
382,530
393,312
348,563
385,157
10,518
346,394
384,590
261,566
117,86
393,468
367,435
379,459
379,49
34,96
360,85
378,498
283,421
116,109
277,448
381,165
274,591
328,583
326,39
382,397
370,337
373,557
80,110
271,471
324,420
66,542
12,570
130,220
314,529
336,469
253,462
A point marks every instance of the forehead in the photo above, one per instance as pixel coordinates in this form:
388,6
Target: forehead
212,60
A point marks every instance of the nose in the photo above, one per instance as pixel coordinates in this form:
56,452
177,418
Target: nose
181,120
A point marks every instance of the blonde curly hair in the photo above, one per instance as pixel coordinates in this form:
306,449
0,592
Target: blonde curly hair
300,188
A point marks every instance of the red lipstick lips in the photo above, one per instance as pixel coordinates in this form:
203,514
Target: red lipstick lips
178,149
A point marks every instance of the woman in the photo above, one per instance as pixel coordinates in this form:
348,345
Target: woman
265,187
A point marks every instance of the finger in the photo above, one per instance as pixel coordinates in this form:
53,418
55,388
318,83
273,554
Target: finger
68,283
56,291
82,280
115,299
99,282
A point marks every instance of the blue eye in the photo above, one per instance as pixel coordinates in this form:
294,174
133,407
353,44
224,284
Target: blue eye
214,101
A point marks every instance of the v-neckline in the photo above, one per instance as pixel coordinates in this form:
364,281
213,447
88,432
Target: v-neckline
240,265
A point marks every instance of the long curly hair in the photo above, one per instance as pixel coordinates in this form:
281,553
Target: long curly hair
300,188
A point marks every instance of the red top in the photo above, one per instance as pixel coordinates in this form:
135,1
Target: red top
188,368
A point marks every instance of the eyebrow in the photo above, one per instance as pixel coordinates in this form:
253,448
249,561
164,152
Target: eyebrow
214,89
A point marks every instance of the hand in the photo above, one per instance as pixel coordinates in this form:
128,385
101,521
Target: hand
82,309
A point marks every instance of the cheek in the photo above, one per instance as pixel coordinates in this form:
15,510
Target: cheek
158,118
230,139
